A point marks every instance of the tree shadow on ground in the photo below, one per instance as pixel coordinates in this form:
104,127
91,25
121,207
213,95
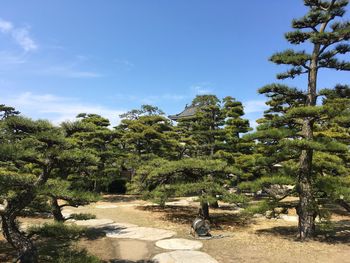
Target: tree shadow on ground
336,233
100,232
186,214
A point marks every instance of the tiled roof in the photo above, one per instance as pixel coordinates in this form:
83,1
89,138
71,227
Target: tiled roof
188,112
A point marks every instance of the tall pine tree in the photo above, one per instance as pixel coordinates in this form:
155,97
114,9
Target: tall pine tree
328,39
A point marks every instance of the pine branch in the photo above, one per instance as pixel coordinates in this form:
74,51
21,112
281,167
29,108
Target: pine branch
292,73
291,57
333,63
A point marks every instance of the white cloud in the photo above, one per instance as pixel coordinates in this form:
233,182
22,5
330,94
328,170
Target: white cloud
58,109
202,88
253,106
5,26
20,35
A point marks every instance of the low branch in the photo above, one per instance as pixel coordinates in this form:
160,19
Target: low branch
343,204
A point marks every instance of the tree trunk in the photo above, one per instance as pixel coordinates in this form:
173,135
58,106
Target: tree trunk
17,239
307,209
204,210
56,210
25,247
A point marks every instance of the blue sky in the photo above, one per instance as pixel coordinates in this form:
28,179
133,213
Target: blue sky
60,57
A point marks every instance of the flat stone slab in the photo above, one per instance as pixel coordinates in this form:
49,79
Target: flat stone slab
141,233
94,223
122,225
179,244
183,256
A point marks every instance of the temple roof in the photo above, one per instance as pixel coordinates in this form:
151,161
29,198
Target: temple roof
188,112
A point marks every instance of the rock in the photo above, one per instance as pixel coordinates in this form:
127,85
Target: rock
179,244
289,218
183,256
258,215
141,233
269,214
122,225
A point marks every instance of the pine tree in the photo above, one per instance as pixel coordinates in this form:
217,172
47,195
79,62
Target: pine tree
145,134
29,152
328,39
205,178
97,147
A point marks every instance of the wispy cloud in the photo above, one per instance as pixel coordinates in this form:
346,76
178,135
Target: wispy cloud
20,35
202,88
58,109
253,106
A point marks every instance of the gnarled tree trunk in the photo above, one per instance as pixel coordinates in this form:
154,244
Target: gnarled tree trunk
17,239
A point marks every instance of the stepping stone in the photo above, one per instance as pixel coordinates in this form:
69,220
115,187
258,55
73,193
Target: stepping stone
141,233
179,244
183,256
94,223
122,225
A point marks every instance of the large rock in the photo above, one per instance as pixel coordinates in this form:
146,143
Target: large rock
141,233
183,256
179,244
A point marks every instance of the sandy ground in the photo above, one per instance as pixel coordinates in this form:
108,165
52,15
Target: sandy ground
262,240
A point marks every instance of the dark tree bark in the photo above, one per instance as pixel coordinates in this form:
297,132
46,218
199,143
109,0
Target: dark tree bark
204,210
17,239
56,210
12,207
307,206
